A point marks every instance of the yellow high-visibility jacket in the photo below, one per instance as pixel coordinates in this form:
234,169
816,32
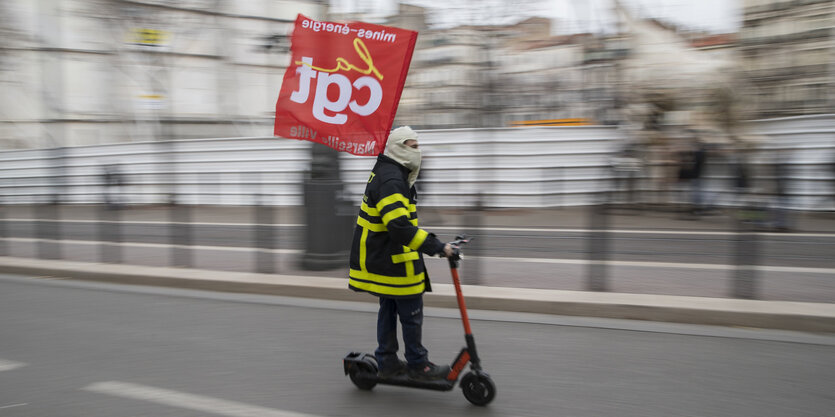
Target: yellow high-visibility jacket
387,247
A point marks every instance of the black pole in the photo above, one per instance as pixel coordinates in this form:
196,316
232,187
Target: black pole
4,232
472,273
744,282
110,234
180,235
48,230
264,237
327,243
598,248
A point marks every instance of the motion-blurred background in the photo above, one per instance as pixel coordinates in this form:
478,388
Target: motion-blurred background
738,84
720,111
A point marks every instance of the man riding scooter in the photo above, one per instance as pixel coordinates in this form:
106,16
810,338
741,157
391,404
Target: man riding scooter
387,257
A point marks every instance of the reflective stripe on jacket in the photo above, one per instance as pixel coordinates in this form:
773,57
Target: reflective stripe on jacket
387,247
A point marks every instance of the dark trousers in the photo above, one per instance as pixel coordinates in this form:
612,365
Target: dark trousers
410,312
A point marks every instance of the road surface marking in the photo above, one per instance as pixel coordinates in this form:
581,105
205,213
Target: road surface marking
152,245
9,365
13,405
188,401
155,223
636,264
676,265
460,228
625,231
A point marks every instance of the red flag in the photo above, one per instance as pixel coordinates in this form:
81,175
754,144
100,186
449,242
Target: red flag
343,84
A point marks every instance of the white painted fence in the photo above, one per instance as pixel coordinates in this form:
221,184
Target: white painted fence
515,167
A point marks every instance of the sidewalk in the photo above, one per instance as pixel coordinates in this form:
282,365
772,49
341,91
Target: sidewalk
799,316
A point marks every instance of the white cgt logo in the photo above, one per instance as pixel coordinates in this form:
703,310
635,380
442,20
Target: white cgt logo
320,99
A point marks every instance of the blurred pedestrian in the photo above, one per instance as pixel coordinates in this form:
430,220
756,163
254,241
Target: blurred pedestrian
422,187
691,166
750,206
697,191
112,178
626,166
387,257
780,195
740,176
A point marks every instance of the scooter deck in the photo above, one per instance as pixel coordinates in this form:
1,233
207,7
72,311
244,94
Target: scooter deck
364,367
405,381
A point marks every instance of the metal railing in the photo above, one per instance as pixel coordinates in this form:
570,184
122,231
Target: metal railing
514,167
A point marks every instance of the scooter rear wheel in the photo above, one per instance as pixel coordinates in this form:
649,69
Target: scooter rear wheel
361,380
478,389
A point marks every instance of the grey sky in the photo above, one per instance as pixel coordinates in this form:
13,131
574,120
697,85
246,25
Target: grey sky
570,16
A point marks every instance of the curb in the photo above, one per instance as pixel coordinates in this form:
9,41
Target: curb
782,315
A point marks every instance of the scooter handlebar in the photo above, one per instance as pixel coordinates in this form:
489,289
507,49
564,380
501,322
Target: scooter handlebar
459,241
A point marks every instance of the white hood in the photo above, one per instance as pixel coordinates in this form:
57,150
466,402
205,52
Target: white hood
402,154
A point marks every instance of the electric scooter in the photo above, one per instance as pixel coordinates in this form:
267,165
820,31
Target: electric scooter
477,386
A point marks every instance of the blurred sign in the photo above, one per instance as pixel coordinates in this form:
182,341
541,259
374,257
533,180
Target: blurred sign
551,122
343,84
151,101
149,37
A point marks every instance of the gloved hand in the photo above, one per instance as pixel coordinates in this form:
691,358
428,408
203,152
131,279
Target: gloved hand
448,251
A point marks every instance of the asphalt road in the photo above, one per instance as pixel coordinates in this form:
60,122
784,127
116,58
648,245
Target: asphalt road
92,350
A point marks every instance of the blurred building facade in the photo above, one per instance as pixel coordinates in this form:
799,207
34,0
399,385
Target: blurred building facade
498,76
79,72
493,76
538,77
445,81
784,60
787,50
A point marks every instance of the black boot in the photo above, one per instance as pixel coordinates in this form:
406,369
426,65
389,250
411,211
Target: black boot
429,371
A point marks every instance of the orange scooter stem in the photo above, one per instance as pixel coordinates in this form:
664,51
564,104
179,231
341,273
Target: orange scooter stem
462,306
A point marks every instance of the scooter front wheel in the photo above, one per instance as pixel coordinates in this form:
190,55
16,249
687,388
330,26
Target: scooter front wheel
478,388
